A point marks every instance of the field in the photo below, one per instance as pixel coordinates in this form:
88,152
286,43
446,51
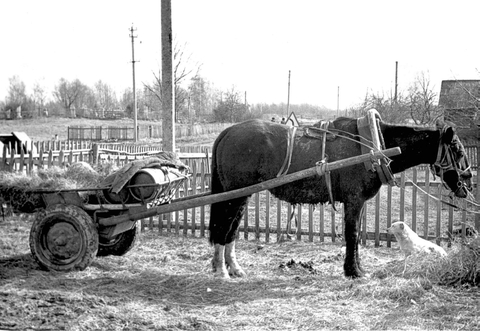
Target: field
44,129
165,283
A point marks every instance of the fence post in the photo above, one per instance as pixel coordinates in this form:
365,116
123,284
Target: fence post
95,154
477,216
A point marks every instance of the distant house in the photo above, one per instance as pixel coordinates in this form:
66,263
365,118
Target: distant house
460,100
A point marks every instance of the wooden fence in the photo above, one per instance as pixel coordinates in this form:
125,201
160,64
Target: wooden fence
416,201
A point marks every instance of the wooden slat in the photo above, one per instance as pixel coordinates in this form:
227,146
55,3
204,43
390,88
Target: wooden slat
333,229
257,215
414,200
322,223
426,204
311,208
202,208
267,216
279,219
377,219
299,222
402,198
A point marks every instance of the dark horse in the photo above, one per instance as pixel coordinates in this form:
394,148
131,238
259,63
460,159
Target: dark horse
254,151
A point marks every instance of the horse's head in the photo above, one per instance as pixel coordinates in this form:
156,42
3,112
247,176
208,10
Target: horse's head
452,165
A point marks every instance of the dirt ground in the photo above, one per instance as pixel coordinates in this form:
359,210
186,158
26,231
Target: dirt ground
165,283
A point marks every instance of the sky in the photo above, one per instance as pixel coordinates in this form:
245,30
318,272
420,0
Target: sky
336,51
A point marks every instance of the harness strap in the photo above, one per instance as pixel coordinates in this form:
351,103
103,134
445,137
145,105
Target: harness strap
288,157
328,179
445,161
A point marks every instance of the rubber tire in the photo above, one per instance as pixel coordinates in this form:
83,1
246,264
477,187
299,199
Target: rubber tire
120,245
64,238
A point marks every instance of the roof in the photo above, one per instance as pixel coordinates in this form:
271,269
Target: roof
17,138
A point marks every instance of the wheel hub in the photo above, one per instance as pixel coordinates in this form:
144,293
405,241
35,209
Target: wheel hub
63,241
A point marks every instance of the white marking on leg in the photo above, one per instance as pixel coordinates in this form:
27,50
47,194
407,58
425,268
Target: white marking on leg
218,262
231,259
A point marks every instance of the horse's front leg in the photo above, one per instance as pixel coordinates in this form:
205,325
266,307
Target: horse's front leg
231,261
353,212
219,267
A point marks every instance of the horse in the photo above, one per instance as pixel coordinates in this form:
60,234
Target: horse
254,151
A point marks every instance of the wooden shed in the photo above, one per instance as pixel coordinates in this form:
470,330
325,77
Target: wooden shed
460,100
17,141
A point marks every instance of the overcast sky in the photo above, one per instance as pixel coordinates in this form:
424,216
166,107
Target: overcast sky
249,44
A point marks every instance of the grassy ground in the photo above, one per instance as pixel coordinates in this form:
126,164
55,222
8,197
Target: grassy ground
165,283
41,129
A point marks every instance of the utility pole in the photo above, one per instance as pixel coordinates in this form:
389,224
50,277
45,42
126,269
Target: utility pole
168,87
396,82
338,99
246,107
288,99
135,130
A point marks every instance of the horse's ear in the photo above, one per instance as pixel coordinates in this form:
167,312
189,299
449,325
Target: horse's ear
448,133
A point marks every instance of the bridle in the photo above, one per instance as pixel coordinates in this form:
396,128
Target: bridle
446,161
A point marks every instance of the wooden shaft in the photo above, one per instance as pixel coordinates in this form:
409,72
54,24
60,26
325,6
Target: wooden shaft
206,199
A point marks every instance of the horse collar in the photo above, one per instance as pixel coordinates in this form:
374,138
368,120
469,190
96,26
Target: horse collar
372,139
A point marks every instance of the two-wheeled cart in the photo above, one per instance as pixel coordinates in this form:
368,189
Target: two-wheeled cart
71,230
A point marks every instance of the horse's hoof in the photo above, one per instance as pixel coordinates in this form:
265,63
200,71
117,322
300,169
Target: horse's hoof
238,273
354,273
221,275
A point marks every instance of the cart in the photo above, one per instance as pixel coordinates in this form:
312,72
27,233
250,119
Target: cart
71,231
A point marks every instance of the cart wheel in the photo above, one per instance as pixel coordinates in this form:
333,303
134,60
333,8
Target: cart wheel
119,245
64,238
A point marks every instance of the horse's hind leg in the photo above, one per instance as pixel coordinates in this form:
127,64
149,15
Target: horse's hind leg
224,221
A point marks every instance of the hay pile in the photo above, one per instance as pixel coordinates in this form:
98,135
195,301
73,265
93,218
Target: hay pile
463,264
460,268
20,191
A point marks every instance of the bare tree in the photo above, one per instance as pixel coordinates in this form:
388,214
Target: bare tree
16,90
126,102
183,68
230,108
39,96
201,97
105,97
391,110
422,101
69,94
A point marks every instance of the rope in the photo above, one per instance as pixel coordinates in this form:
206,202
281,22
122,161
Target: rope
446,202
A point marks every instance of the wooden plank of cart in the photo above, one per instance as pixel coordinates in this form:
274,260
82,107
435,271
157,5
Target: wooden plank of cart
70,232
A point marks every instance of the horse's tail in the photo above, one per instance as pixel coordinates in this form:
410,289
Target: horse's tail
215,186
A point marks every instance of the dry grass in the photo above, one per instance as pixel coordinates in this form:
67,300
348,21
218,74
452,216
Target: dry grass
165,283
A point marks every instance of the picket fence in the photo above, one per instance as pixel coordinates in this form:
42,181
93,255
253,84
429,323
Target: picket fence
416,201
